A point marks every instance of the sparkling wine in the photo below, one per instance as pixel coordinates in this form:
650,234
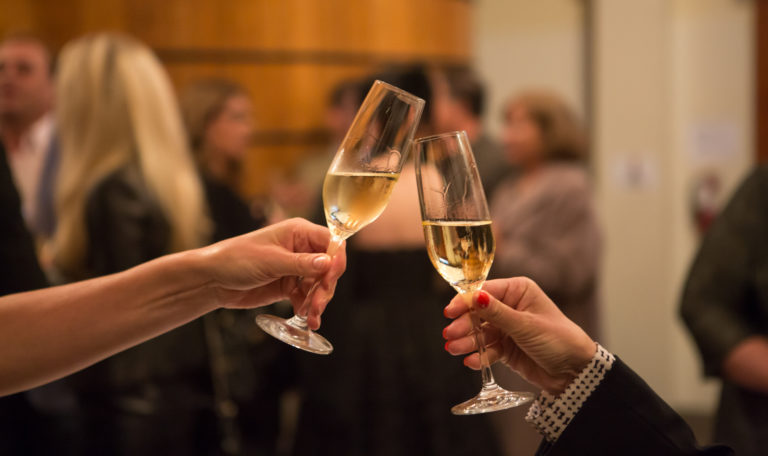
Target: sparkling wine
462,252
353,200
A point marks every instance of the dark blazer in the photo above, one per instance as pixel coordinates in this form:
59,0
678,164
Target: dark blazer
726,301
623,416
19,269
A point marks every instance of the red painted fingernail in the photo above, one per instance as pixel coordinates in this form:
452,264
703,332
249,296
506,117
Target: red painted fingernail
445,333
446,347
483,299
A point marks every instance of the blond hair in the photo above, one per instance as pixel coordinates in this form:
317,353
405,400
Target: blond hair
115,106
562,133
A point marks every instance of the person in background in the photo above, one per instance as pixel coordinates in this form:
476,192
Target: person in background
388,387
19,271
543,217
218,115
126,168
544,224
725,307
459,102
249,369
591,403
128,191
27,126
31,154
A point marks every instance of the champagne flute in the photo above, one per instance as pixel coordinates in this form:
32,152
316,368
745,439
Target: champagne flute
357,188
460,244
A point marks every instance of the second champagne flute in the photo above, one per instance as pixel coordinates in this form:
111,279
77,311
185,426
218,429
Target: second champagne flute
357,188
457,230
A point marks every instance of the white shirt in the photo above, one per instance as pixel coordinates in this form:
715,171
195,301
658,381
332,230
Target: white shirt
26,163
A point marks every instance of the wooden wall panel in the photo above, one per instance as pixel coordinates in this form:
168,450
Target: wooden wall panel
285,95
761,81
288,53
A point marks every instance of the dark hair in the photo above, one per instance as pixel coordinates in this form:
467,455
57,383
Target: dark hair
24,36
562,133
465,87
413,79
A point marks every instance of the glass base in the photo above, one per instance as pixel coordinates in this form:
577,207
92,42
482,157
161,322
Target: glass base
293,334
492,399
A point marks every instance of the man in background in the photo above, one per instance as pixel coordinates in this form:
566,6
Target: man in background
27,126
28,156
459,102
725,307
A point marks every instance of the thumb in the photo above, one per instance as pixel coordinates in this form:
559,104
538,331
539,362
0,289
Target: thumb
499,314
302,264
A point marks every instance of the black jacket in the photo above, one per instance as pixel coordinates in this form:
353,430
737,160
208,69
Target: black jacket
623,416
19,269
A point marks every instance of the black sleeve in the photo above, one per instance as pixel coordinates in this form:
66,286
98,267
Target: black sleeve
125,226
623,416
19,269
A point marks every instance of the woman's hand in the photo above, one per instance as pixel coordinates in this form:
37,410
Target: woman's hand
277,262
524,329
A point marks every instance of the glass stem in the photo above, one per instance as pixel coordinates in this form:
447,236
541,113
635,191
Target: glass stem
488,380
299,320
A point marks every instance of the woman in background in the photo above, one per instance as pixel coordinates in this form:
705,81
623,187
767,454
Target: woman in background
126,169
545,224
218,114
249,368
128,192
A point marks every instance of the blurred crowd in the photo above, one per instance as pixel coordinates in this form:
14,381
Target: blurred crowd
114,169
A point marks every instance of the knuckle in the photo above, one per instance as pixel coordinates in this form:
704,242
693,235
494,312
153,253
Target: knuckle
494,311
525,283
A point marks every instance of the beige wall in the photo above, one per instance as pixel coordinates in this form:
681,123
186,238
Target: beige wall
666,72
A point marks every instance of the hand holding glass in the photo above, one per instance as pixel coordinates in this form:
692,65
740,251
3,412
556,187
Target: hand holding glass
457,229
357,188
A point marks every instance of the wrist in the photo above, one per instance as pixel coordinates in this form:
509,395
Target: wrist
185,276
584,355
577,361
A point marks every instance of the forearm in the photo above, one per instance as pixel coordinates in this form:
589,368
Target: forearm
747,364
47,334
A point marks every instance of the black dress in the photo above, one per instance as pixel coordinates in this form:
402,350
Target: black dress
388,386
